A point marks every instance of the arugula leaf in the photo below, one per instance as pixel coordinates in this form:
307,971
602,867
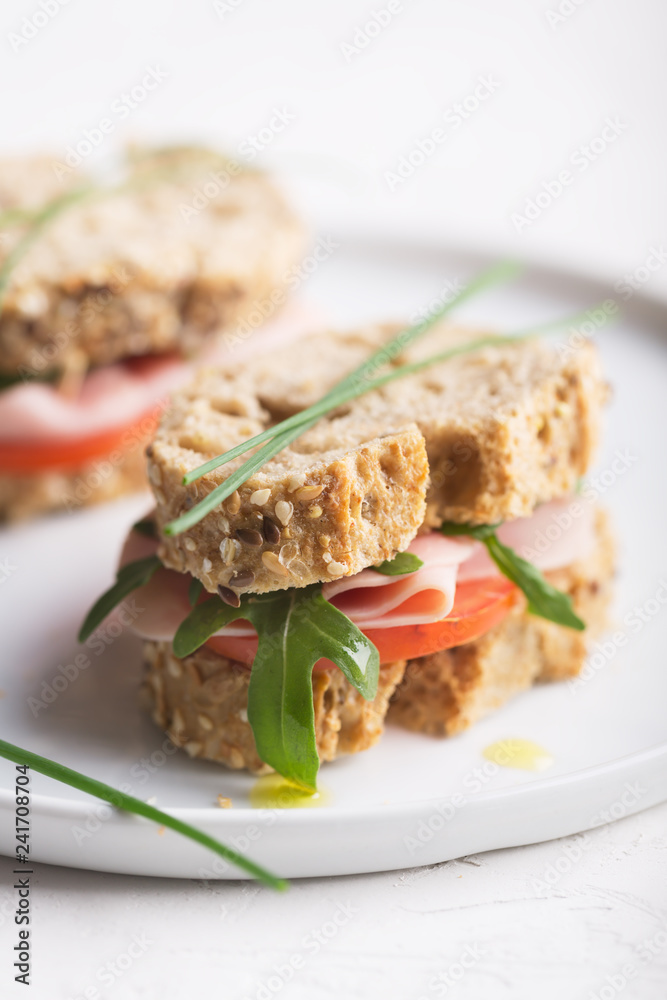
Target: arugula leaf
295,629
204,621
23,374
194,590
146,527
129,577
403,562
544,600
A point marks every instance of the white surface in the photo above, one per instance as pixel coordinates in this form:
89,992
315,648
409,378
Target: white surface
387,804
408,928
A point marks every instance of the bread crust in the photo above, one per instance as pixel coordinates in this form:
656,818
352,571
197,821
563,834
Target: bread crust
482,438
140,271
447,692
201,702
98,481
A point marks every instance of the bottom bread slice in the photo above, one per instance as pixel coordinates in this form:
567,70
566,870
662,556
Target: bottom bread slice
446,692
24,496
202,700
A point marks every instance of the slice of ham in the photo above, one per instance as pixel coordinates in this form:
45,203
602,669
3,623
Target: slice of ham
557,534
373,600
552,538
119,395
113,396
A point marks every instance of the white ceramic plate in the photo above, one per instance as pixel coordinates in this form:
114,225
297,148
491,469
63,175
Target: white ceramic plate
411,800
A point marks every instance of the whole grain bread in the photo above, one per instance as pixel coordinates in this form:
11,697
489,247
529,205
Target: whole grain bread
190,245
23,496
201,702
448,691
483,437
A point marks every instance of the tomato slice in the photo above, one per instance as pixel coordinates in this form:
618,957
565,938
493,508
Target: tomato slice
40,455
478,606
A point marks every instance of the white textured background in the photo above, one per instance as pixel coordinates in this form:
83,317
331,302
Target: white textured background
352,116
557,79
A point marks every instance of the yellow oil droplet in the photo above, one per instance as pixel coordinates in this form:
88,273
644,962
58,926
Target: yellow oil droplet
524,754
275,792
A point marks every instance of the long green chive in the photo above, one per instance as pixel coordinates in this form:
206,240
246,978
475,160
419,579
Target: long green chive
129,804
359,381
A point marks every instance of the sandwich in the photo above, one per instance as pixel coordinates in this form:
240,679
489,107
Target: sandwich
381,526
108,291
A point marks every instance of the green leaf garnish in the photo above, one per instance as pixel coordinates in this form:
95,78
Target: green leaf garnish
295,629
544,600
129,577
23,374
146,527
129,804
194,590
403,562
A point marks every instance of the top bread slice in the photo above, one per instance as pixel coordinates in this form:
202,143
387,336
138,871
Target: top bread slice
482,437
188,244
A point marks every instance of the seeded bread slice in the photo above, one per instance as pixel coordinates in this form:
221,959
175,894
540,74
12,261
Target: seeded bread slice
98,481
202,701
495,432
194,246
447,692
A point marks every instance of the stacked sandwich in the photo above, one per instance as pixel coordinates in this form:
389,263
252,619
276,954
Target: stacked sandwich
405,540
105,293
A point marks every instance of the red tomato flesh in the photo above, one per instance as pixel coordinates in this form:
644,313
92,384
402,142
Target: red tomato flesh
478,606
40,455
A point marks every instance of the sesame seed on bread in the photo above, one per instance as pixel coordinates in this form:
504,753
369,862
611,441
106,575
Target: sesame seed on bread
483,437
201,702
141,270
